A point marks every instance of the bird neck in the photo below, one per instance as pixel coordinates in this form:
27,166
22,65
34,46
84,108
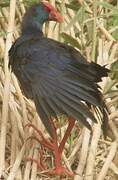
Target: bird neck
31,27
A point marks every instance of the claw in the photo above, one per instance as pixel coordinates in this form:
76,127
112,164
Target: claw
60,171
57,171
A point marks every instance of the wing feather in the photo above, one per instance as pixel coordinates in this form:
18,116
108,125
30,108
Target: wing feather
58,78
44,115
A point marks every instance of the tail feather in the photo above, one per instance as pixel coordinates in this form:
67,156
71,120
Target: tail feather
100,71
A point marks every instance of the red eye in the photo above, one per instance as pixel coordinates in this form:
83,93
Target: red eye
33,10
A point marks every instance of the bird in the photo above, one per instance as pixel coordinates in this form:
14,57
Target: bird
57,78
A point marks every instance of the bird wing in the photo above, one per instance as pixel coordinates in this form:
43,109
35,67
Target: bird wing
59,80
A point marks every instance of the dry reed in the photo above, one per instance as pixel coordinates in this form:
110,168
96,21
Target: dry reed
89,155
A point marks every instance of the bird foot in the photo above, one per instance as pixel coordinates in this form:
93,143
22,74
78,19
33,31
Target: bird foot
53,146
58,171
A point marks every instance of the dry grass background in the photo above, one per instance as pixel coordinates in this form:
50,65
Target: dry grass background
91,26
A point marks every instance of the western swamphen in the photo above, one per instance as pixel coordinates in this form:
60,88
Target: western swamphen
56,77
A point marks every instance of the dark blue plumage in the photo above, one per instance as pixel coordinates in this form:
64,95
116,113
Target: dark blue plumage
56,76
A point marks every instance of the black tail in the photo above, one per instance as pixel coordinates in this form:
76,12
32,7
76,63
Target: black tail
98,71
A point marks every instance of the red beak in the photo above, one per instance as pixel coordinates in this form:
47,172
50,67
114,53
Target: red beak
55,16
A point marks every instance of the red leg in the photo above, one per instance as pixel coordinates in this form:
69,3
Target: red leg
59,169
42,139
67,133
57,149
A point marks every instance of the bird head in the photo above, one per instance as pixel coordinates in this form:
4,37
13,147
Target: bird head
46,12
38,14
